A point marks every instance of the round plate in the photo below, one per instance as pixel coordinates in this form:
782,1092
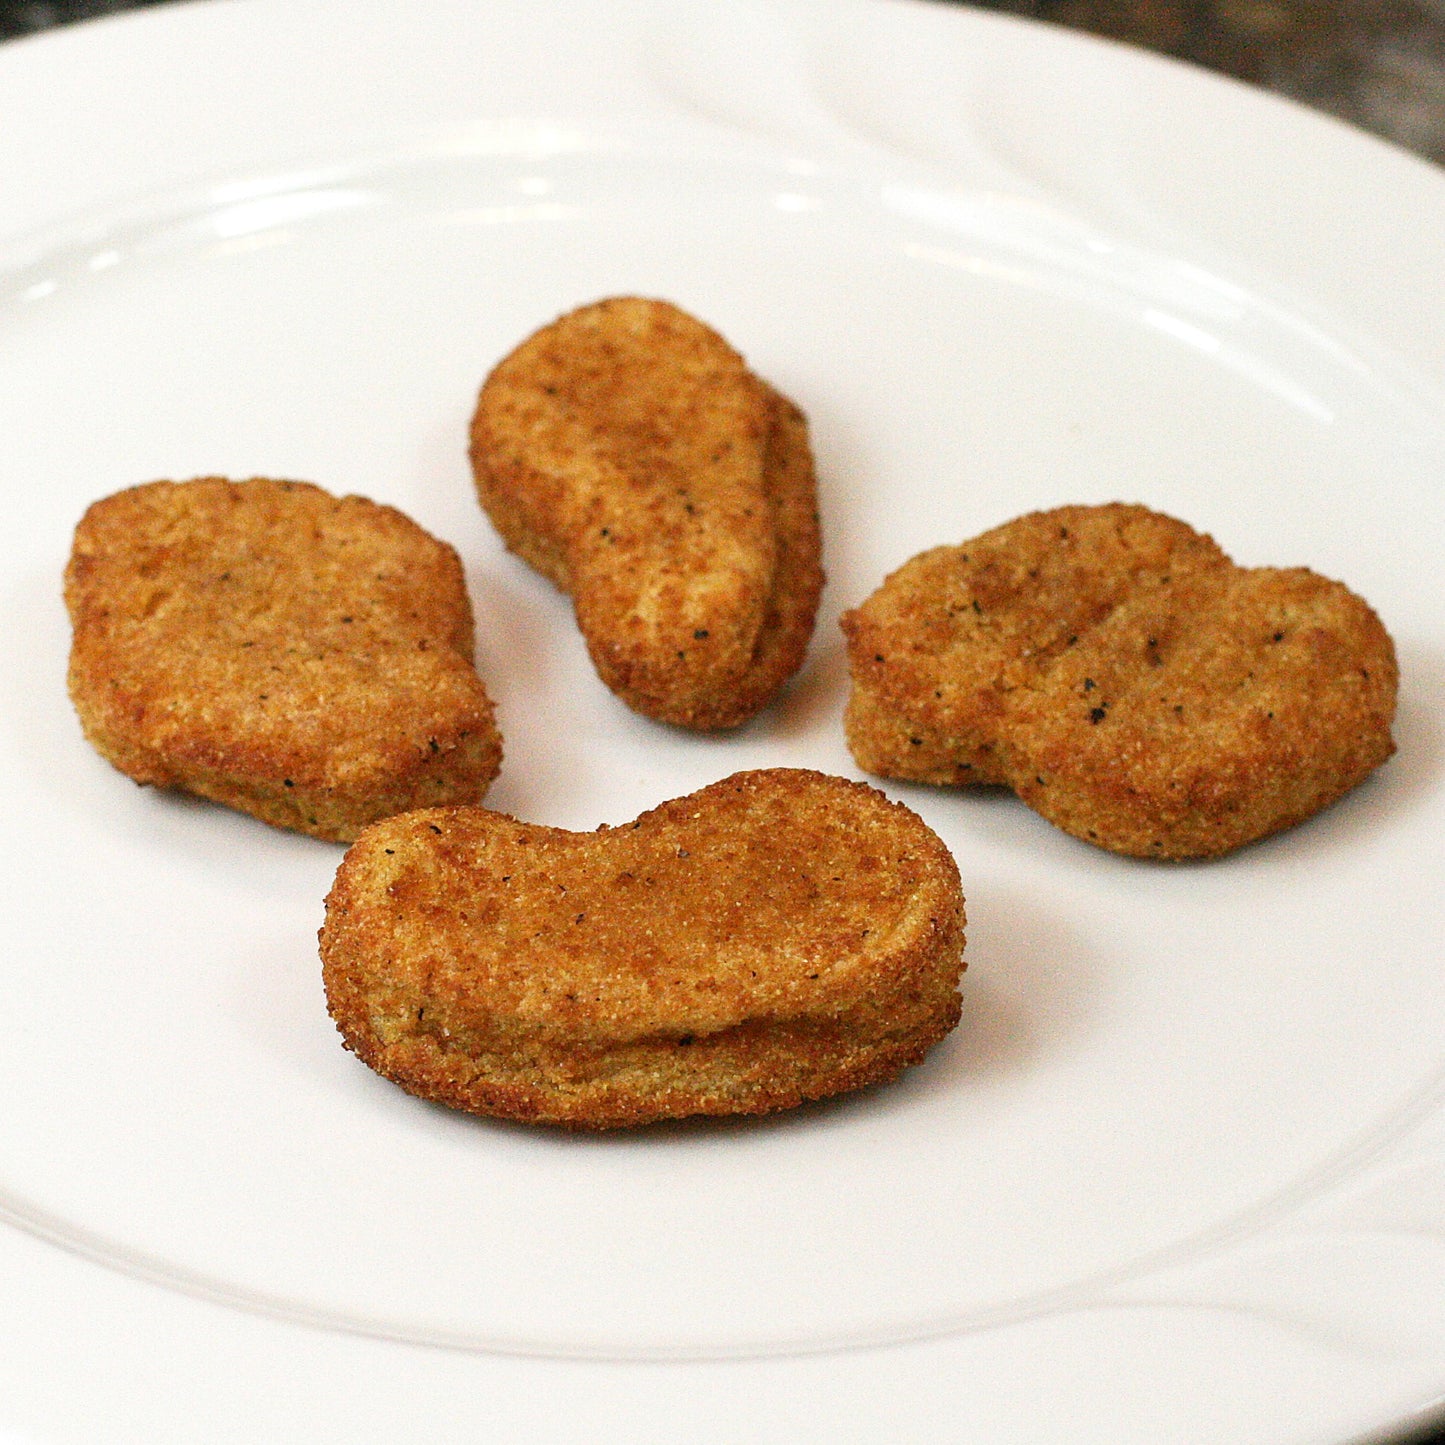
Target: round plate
1180,1172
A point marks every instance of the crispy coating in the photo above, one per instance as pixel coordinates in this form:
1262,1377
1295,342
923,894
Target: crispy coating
778,936
301,657
627,453
1114,668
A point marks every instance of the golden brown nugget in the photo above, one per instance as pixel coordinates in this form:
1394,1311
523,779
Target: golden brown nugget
301,657
627,453
778,936
1125,678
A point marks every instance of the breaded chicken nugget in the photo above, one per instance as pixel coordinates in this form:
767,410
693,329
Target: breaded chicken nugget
627,453
778,936
301,657
1125,678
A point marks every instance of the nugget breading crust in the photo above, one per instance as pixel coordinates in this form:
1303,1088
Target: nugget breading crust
1125,678
298,656
778,936
627,453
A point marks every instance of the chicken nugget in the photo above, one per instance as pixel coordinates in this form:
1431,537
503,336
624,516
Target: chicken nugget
627,453
775,937
1132,684
301,657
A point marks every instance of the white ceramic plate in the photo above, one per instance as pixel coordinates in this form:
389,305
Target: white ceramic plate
1180,1173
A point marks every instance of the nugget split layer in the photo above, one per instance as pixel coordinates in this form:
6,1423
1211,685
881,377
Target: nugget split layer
1125,678
627,453
778,936
300,657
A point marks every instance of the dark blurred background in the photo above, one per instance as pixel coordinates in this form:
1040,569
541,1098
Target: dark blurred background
1377,63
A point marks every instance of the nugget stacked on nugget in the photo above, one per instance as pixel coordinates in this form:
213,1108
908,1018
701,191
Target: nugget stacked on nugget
301,657
778,936
1125,678
627,453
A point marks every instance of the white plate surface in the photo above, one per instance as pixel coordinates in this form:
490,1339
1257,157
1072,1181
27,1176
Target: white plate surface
1180,1173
